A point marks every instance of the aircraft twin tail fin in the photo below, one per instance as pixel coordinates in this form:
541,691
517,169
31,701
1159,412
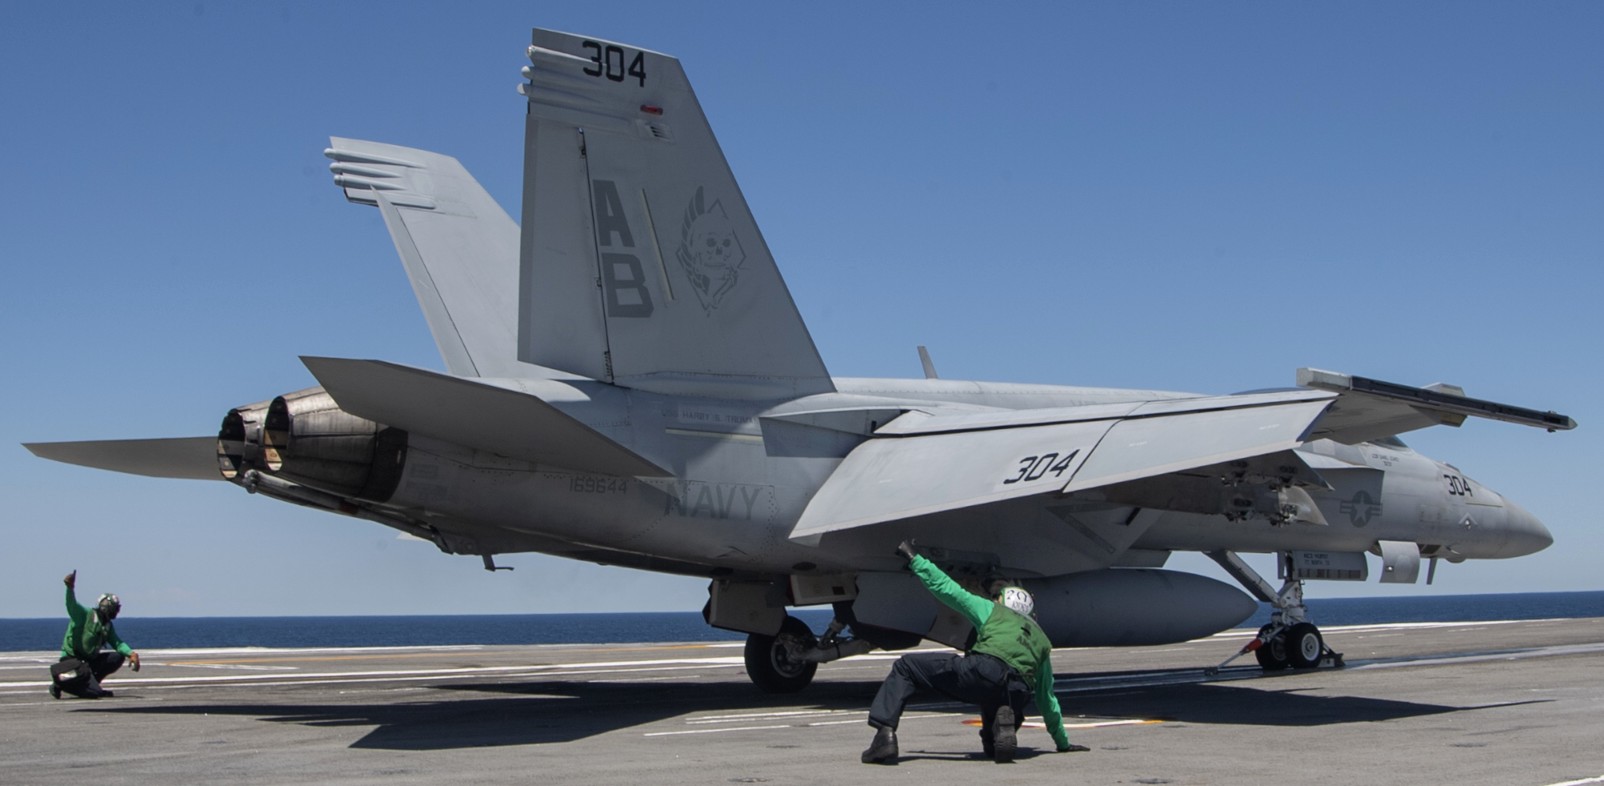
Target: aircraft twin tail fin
641,263
460,249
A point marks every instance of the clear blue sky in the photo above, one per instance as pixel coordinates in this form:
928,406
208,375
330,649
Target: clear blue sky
1182,196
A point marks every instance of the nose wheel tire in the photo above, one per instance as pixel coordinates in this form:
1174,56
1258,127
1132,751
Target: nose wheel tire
772,662
1304,646
1273,655
1300,647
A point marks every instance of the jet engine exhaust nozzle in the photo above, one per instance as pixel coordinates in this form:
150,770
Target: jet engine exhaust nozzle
306,438
239,440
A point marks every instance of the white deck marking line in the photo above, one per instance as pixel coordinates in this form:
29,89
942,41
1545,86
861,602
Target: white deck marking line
229,667
537,670
299,680
1107,724
677,661
50,656
1030,724
776,716
1086,725
756,715
864,720
1582,782
1247,633
1541,652
713,731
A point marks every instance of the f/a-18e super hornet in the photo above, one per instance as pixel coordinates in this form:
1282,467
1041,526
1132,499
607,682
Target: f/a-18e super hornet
630,383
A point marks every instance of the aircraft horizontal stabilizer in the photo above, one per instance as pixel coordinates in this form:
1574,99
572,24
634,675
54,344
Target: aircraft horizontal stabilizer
188,458
994,457
1369,409
500,420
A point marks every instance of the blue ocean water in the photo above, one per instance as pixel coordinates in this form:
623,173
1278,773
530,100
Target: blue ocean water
392,631
389,631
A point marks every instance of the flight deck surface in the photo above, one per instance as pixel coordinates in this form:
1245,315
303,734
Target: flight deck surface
1462,703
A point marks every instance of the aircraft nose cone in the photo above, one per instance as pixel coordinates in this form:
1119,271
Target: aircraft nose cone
1527,535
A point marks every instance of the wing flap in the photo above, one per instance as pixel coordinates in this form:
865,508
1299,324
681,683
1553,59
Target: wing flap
467,412
187,458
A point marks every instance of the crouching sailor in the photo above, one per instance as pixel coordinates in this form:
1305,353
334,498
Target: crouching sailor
1009,663
83,665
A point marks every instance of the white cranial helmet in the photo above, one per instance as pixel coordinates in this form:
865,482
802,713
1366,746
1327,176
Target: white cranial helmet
1018,600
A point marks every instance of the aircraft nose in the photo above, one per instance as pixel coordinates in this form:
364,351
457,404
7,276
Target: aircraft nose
1527,535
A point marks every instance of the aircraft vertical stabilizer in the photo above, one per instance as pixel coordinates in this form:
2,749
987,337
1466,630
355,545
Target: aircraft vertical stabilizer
641,263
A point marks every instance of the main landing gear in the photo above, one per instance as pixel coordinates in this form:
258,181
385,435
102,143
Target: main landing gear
1290,640
776,664
786,661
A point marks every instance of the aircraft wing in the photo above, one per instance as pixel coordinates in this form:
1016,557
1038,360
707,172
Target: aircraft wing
189,458
921,464
927,464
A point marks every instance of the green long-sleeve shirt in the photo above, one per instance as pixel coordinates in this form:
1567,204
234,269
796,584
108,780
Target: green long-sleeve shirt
1004,634
86,633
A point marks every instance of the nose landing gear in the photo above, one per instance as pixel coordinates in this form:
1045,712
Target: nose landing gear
1299,646
1290,640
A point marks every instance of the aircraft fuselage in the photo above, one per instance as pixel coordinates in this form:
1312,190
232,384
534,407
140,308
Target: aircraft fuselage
732,502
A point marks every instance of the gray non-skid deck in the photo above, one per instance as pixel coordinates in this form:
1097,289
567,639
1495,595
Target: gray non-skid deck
1462,703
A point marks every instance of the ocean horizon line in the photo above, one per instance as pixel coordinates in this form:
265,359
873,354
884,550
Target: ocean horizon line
585,627
804,609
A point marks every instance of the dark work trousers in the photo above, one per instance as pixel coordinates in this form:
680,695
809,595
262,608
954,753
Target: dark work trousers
975,678
102,664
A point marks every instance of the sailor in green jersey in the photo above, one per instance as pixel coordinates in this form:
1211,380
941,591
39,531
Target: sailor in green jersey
1009,664
82,664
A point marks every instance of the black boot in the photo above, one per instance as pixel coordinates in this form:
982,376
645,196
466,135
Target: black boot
94,691
1003,738
884,748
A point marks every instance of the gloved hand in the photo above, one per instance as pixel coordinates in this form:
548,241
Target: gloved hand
133,659
71,579
905,549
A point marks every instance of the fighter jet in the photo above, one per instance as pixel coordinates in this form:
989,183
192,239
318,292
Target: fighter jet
629,383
